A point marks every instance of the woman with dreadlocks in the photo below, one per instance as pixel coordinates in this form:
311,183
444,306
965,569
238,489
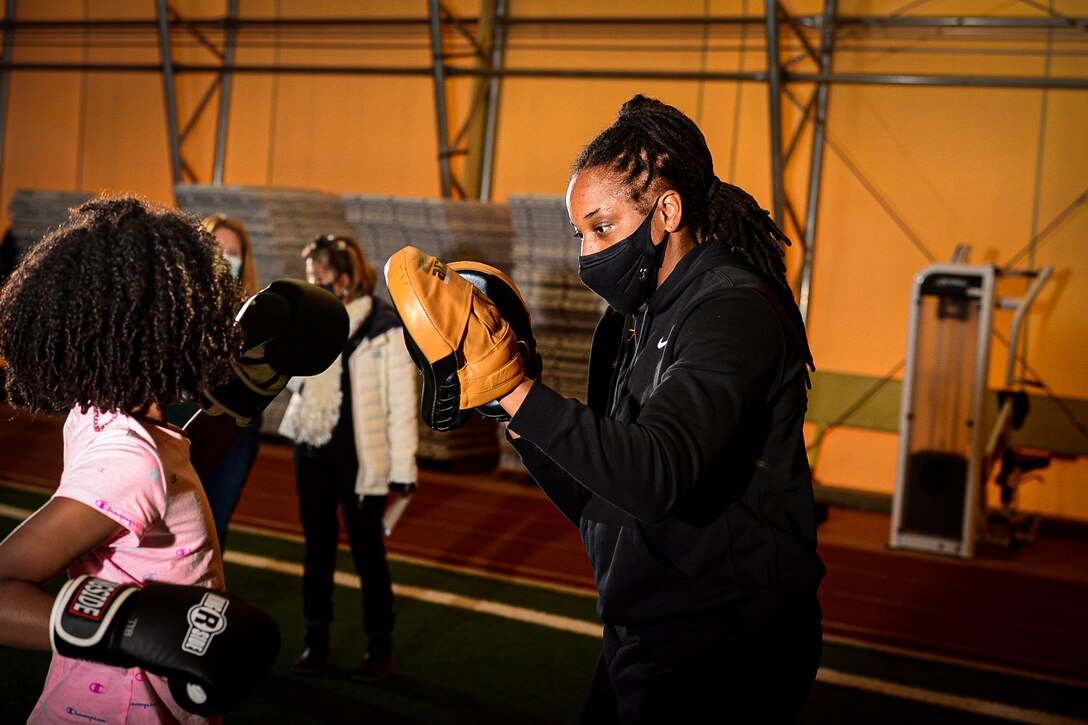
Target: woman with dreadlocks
686,473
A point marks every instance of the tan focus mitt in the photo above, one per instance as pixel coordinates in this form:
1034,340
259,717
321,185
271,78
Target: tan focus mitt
468,354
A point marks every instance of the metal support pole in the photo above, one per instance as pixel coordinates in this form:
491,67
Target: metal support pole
1022,308
494,86
438,68
5,76
168,91
774,102
224,94
827,39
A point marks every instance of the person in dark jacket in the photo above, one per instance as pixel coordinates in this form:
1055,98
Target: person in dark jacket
686,471
355,432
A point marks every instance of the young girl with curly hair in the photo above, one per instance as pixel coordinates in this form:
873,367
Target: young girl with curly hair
124,308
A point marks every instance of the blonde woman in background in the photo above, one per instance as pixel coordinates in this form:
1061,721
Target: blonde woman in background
234,241
224,486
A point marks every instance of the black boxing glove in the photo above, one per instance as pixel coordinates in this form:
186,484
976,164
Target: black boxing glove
212,648
291,328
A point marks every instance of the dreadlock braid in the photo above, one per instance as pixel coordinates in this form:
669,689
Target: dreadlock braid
651,145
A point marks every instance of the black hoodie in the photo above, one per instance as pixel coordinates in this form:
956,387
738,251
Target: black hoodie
686,473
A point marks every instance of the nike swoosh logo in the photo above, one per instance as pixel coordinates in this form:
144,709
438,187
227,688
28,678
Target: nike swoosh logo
662,343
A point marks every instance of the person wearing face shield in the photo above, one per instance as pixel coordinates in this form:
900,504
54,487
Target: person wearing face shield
686,471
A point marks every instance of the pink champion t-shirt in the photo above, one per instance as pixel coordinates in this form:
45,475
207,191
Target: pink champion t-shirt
140,476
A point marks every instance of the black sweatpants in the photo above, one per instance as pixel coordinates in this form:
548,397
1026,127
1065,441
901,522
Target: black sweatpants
756,664
325,478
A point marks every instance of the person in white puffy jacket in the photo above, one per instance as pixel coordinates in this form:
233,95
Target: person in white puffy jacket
356,432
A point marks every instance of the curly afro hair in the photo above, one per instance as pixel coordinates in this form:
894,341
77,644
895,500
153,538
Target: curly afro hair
126,304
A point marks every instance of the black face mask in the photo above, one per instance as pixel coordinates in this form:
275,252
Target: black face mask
625,274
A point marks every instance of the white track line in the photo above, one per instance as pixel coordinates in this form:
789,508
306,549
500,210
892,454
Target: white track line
943,699
14,513
431,596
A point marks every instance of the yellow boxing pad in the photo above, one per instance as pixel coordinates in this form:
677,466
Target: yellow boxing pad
467,353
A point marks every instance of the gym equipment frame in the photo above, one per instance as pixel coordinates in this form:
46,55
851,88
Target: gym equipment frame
945,457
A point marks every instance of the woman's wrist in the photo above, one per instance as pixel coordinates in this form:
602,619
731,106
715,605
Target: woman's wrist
511,402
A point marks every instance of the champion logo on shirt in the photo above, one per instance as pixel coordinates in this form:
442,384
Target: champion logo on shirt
105,506
90,718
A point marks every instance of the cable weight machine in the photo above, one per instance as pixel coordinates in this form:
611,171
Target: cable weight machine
948,451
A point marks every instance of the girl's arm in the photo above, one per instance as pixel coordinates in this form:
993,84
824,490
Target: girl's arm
42,547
